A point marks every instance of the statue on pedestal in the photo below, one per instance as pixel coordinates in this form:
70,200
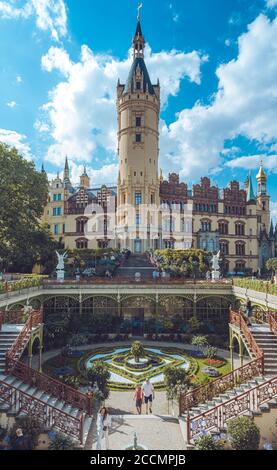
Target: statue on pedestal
216,267
60,265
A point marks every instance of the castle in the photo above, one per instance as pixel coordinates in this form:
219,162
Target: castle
234,220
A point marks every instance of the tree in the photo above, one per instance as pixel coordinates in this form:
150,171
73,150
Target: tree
244,434
176,382
207,442
137,350
23,196
200,342
99,376
271,265
194,325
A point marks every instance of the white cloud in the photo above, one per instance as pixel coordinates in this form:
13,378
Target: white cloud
14,139
11,104
253,161
271,3
273,211
41,126
106,175
244,104
82,107
50,14
19,79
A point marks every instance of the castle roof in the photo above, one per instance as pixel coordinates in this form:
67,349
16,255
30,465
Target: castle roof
146,84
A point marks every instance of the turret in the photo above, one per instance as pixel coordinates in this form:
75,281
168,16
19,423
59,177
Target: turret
84,179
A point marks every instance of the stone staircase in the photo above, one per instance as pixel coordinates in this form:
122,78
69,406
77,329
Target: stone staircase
8,335
136,264
267,341
201,411
15,386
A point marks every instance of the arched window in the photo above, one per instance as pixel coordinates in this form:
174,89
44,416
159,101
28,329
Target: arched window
240,248
239,228
224,247
223,227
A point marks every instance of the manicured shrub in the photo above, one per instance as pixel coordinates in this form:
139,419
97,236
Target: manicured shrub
61,442
207,442
244,434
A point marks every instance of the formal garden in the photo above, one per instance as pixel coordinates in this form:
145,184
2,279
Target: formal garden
126,365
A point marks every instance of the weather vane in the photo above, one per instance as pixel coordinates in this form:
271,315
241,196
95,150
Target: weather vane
139,8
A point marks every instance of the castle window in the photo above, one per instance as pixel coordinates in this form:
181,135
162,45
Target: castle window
240,248
239,228
135,173
55,197
59,211
224,247
240,266
138,121
138,138
223,228
137,199
137,219
63,228
54,211
141,173
56,229
138,85
205,226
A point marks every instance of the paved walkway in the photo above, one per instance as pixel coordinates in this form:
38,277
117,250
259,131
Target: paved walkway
120,403
153,432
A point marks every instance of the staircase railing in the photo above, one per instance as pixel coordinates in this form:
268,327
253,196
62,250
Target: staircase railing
35,318
51,386
217,417
272,322
49,415
42,381
228,381
237,319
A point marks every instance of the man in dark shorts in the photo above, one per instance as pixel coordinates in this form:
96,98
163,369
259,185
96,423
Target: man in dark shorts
148,392
138,398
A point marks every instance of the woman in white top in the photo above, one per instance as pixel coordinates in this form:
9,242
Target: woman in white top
103,425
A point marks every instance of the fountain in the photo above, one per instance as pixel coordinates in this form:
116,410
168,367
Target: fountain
135,445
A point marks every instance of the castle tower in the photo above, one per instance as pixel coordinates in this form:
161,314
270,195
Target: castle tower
263,198
138,108
84,179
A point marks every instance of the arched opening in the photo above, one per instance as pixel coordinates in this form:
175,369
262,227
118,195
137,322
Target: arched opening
136,310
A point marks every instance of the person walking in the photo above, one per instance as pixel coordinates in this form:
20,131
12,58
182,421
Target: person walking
103,425
138,398
148,392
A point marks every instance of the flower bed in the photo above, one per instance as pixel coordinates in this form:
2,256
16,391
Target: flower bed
215,362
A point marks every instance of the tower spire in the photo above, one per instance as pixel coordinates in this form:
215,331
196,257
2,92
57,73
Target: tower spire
138,40
250,191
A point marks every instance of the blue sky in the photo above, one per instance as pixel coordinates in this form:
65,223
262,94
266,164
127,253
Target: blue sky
216,61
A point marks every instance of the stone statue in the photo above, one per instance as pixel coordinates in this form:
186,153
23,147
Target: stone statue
61,258
215,267
60,266
215,261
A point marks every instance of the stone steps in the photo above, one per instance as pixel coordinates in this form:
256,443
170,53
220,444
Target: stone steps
42,396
